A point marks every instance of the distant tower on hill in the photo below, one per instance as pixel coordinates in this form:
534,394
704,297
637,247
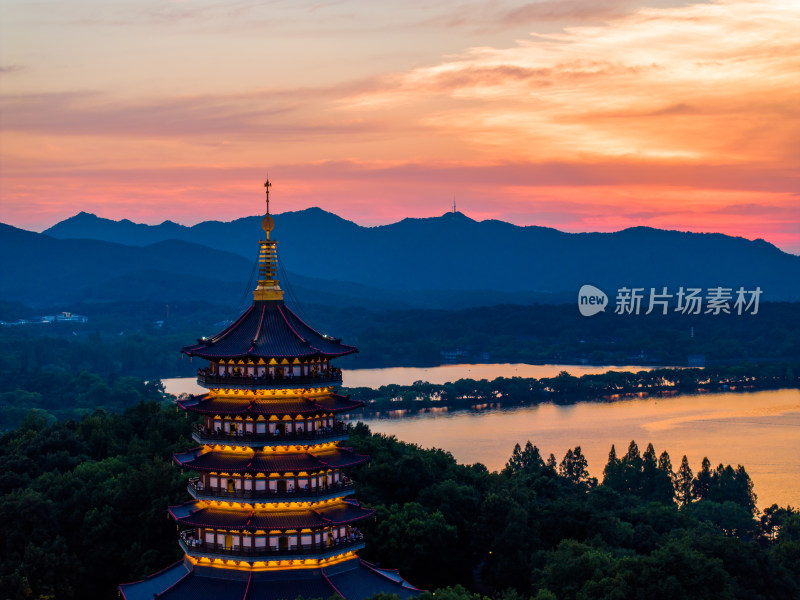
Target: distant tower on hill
272,514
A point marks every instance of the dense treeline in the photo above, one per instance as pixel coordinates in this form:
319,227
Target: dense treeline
142,339
84,508
58,393
545,528
566,388
546,333
83,504
41,365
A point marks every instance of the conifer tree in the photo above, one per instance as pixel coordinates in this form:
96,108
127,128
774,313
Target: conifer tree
683,482
566,466
632,457
612,469
664,487
514,463
531,457
575,467
701,485
649,457
581,468
551,462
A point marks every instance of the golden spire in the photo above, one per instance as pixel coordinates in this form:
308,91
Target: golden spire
268,288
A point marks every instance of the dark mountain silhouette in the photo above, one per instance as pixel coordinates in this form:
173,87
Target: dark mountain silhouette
40,270
454,260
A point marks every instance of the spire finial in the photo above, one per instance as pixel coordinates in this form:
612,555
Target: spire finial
267,223
267,185
268,288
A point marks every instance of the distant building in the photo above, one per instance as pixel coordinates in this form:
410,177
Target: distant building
64,317
454,356
68,317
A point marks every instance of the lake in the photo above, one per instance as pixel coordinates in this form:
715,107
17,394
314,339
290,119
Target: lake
375,378
760,430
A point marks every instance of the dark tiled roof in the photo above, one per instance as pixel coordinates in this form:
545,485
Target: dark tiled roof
147,588
337,403
289,590
268,462
189,513
354,579
341,458
346,512
268,329
199,588
370,580
303,406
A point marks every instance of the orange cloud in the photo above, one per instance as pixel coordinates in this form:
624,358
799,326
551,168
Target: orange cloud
679,116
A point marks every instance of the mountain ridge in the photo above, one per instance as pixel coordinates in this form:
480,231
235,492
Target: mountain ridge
456,253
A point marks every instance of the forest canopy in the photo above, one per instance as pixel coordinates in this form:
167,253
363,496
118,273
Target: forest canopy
84,505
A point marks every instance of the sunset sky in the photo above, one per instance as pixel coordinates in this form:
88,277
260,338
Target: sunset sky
584,115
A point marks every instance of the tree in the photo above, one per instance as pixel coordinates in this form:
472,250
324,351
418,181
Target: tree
632,457
683,482
574,468
732,485
528,460
701,486
611,472
420,543
551,462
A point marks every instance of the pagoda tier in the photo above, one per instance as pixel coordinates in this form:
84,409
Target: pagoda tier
320,515
270,461
269,405
268,330
290,487
258,421
270,516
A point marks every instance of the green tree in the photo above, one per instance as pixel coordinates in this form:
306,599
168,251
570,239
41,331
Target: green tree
612,470
418,542
574,467
701,485
529,459
683,482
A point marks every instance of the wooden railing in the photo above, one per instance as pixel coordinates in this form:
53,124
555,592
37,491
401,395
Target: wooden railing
197,488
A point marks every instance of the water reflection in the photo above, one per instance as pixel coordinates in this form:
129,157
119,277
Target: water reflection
757,429
760,430
375,378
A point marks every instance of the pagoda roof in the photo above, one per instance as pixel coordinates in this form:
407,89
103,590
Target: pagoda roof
194,514
268,462
354,579
268,329
213,405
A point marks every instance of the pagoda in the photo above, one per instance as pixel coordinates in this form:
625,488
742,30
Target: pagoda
272,514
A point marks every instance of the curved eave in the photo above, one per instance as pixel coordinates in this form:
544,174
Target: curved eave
193,514
268,329
211,406
255,357
261,463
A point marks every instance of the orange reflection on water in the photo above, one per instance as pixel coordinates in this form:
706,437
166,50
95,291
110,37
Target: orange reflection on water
759,430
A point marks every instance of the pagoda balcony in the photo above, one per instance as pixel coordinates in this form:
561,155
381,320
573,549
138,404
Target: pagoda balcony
206,435
335,490
197,548
209,379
